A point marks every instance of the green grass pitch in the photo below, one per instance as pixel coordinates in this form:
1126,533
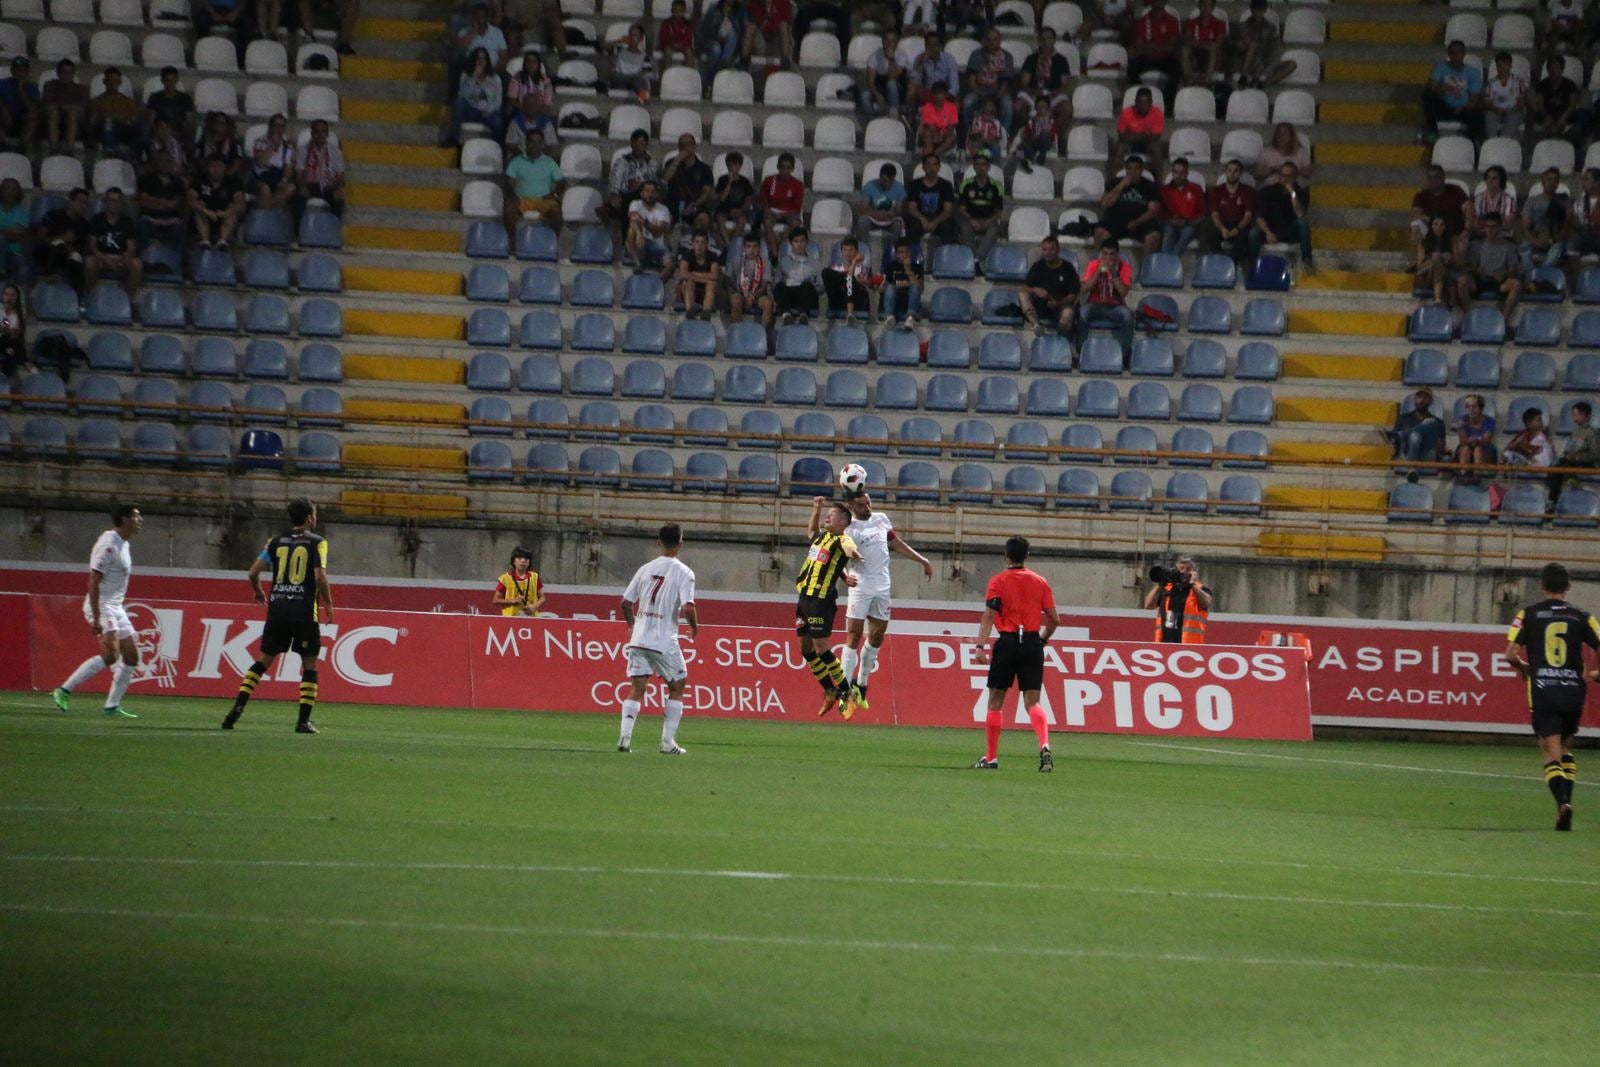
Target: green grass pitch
446,887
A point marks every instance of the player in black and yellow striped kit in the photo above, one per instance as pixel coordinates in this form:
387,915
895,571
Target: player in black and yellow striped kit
1545,645
300,599
818,589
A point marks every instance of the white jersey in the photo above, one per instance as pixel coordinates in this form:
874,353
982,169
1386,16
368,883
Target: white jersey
660,588
112,559
871,536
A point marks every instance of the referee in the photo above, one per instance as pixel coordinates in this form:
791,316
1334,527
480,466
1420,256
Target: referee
1013,604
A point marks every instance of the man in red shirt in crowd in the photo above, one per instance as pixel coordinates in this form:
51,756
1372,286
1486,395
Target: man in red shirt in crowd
781,199
1102,299
1230,209
768,26
1013,603
1203,39
1156,39
677,33
1183,203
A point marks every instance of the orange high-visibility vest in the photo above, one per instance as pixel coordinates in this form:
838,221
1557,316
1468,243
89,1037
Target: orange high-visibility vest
1194,618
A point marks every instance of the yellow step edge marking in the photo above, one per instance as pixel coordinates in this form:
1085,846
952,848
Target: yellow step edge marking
1374,413
394,280
424,410
400,30
396,112
399,155
412,324
411,70
1358,323
1393,197
384,504
1362,239
405,457
1356,281
1371,155
1322,546
402,239
407,197
1331,451
378,368
1359,70
1358,113
1324,498
1330,366
1385,32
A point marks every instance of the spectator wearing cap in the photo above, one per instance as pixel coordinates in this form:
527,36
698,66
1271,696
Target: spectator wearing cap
1453,93
19,106
66,105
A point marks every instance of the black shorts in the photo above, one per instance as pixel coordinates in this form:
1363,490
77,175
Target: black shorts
285,635
813,616
1555,718
1017,660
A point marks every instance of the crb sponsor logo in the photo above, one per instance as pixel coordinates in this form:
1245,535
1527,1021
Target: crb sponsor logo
227,643
159,634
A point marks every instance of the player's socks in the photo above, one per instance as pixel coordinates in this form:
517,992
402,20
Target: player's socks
121,678
991,734
869,662
1556,781
86,670
308,695
852,659
831,669
818,670
672,715
1569,766
247,686
630,714
1041,724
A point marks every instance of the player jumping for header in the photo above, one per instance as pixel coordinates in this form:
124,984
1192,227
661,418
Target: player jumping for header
1013,603
658,593
867,605
818,601
110,566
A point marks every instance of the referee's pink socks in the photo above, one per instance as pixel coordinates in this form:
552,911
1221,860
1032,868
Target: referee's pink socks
1041,724
991,732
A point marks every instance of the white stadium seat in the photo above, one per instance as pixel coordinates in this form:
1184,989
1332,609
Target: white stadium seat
1062,16
303,56
625,118
819,51
215,94
32,10
862,46
680,84
1190,143
1243,145
1040,184
831,217
1512,32
578,77
74,11
1454,153
110,48
1471,30
579,107
16,165
836,92
483,200
266,59
159,50
1091,100
1247,107
1307,67
1083,185
13,42
581,163
1304,26
834,133
121,13
480,155
885,135
833,175
1088,143
1028,225
1294,106
677,121
1499,151
1552,152
578,204
1194,104
216,55
114,174
262,100
784,88
55,43
733,129
783,131
60,173
733,88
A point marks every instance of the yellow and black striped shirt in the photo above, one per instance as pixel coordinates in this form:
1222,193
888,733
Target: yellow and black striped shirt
824,564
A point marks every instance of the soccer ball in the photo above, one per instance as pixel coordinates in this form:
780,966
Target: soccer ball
853,479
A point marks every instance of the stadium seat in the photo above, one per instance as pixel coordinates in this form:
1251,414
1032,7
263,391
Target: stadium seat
998,395
95,439
1086,440
594,332
1540,327
266,360
271,227
489,416
1430,324
1468,504
1152,357
706,472
644,379
155,398
745,340
43,391
757,475
899,348
1161,270
1251,404
212,401
1215,271
159,309
917,482
1206,359
866,433
1148,400
1210,314
266,403
489,283
1163,312
693,337
548,464
1587,291
973,438
1000,308
1585,331
592,376
949,350
598,420
1196,440
707,421
1078,488
744,385
643,292
651,469
848,345
813,431
1000,352
97,394
215,357
1185,492
1100,354
1024,486
323,229
1098,400
1524,504
320,363
489,327
795,385
953,261
55,302
537,243
1131,491
547,417
110,352
1483,326
693,382
486,239
1426,366
920,436
1138,443
1257,361
594,289
1200,403
320,318
645,334
489,461
897,391
1251,445
950,305
1049,398
946,392
539,374
846,389
971,483
795,343
539,285
1544,285
1006,263
539,329
320,406
155,444
1240,494
1583,374
1263,317
216,312
1532,371
1027,440
213,267
1577,508
1270,273
267,313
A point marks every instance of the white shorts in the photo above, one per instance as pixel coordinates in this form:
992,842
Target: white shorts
113,620
866,605
668,665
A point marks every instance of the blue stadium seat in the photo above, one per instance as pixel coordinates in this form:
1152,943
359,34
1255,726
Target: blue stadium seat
745,340
1195,440
946,392
1483,326
694,337
703,421
646,334
320,362
489,283
1186,492
1152,357
795,385
319,273
538,243
652,469
1085,438
1135,439
1251,404
55,302
1000,352
215,357
547,417
539,285
949,349
950,305
321,229
953,262
1098,400
917,481
1478,368
1533,371
848,345
1544,285
1024,486
1585,330
1577,508
644,379
98,394
208,446
1240,495
594,332
705,472
593,377
1215,271
213,399
216,312
1258,361
1000,308
598,420
540,329
1078,488
489,461
1426,366
266,404
1162,312
491,372
486,239
1583,374
1027,440
267,313
920,436
1587,291
971,483
489,416
163,263
264,268
1100,354
744,385
1538,328
1161,270
1149,400
1200,403
110,352
159,309
1210,314
795,344
810,476
1131,491
599,465
1269,273
846,389
1263,317
757,475
1005,263
813,424
998,395
154,398
98,439
548,464
266,360
540,374
693,381
1049,398
590,244
155,444
1524,504
1206,359
1467,504
896,391
978,437
643,292
320,318
489,327
320,406
1430,324
212,267
867,433
1247,443
593,289
899,348
271,227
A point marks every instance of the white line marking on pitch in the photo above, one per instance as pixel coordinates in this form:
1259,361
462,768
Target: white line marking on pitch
806,876
1336,762
775,941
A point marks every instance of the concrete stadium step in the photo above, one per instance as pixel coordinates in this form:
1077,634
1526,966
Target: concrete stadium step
1294,544
1387,239
1324,498
388,410
406,457
1327,409
394,112
398,70
1408,156
369,279
388,154
1358,323
400,239
1369,71
403,197
1357,281
1368,113
389,368
368,503
1342,367
1387,197
1330,451
371,322
1344,30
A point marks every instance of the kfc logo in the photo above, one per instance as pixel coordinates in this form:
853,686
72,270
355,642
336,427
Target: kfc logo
227,652
159,634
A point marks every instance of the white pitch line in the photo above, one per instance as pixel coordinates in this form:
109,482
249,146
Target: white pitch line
826,943
804,876
1337,762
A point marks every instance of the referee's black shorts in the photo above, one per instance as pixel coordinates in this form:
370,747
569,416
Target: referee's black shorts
1018,660
813,616
284,635
1555,718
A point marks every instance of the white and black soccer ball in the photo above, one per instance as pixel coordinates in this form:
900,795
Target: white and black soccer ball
853,479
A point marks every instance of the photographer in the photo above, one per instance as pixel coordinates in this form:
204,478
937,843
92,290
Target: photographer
1182,603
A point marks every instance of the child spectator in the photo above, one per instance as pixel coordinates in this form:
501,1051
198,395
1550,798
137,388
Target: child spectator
781,198
676,35
1204,37
902,286
750,289
1531,447
734,193
798,267
632,66
1037,131
698,276
985,134
1505,98
849,283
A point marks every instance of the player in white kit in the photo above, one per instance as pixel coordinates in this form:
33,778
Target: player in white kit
867,606
110,565
661,590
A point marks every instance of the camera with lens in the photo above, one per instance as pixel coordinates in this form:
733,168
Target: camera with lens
1162,575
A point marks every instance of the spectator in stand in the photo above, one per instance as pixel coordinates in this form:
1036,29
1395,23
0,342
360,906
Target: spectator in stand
799,264
1281,216
1285,147
1453,93
479,98
216,204
162,139
113,248
1255,50
675,37
1183,209
66,106
227,17
629,172
750,290
902,292
1582,450
1554,110
931,208
218,138
1049,294
19,107
1561,27
849,283
61,238
1531,447
1156,42
478,33
884,89
1439,199
13,334
1139,130
1230,215
344,13
699,275
163,199
1102,299
1051,74
1418,434
937,121
1546,223
1435,265
1131,208
649,220
1474,439
532,82
933,66
733,196
1204,38
113,118
690,187
172,105
1113,15
1504,99
721,32
981,201
1585,236
769,26
13,231
1037,132
525,20
530,117
269,18
632,66
1490,268
319,174
986,136
881,204
989,74
781,199
699,222
272,165
1497,198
